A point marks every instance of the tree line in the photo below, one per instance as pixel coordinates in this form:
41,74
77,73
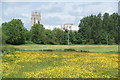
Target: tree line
93,29
98,29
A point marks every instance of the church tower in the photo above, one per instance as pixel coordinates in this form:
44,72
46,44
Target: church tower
119,8
36,18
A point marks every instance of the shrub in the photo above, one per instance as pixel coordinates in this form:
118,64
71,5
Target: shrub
29,42
84,51
91,41
69,50
48,50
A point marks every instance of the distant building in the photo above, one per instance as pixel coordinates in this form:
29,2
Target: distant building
36,18
66,27
119,8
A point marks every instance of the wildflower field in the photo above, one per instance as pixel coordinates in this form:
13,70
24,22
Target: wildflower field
70,64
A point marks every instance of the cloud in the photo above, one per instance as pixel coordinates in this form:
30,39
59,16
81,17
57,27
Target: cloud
62,18
25,15
109,7
60,0
55,13
51,27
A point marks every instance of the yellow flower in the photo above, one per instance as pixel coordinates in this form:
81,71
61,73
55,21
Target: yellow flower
60,64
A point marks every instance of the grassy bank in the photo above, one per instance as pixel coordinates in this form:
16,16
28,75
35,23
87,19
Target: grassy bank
90,48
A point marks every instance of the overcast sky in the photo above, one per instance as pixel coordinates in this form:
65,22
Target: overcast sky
54,14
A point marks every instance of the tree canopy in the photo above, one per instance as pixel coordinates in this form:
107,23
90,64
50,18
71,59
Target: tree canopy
14,32
93,29
99,29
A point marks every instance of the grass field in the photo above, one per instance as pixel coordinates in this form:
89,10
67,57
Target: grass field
91,48
45,64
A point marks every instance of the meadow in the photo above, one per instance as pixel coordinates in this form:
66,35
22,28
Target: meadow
90,48
100,62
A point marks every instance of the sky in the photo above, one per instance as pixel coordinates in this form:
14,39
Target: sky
55,13
59,0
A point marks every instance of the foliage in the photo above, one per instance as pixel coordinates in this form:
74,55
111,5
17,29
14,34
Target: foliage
3,37
29,42
100,29
38,34
27,35
58,36
93,29
14,31
50,39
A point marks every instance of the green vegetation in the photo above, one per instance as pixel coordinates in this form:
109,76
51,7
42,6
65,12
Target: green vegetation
9,49
43,53
98,29
13,32
37,64
94,29
38,34
90,48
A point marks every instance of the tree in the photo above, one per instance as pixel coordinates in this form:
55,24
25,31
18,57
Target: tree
99,29
50,37
38,34
14,31
58,36
3,37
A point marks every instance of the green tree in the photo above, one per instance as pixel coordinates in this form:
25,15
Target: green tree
3,37
14,31
38,34
58,36
99,29
27,35
50,37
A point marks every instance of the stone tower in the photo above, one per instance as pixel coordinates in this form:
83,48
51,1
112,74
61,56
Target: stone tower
119,8
36,18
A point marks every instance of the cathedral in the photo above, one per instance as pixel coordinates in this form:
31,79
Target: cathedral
36,18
